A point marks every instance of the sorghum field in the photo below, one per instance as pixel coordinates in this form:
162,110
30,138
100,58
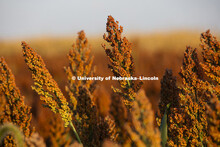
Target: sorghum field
42,105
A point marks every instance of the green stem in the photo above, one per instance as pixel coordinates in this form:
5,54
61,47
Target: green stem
74,130
163,127
129,83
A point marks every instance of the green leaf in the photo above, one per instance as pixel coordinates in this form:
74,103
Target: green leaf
163,128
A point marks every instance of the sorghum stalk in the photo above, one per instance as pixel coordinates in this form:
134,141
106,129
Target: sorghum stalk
74,130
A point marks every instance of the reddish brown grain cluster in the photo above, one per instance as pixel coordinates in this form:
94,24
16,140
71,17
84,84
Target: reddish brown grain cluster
81,95
211,67
192,102
14,109
135,126
121,61
92,128
142,131
134,118
57,134
80,65
120,114
168,95
211,56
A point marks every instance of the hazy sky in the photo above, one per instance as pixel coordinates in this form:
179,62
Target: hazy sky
23,18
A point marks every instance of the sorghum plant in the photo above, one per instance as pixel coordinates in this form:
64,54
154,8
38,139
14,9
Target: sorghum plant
52,129
211,57
120,114
57,134
135,127
46,86
80,65
211,67
121,61
168,95
92,128
168,106
141,130
134,120
213,117
14,109
187,124
193,101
